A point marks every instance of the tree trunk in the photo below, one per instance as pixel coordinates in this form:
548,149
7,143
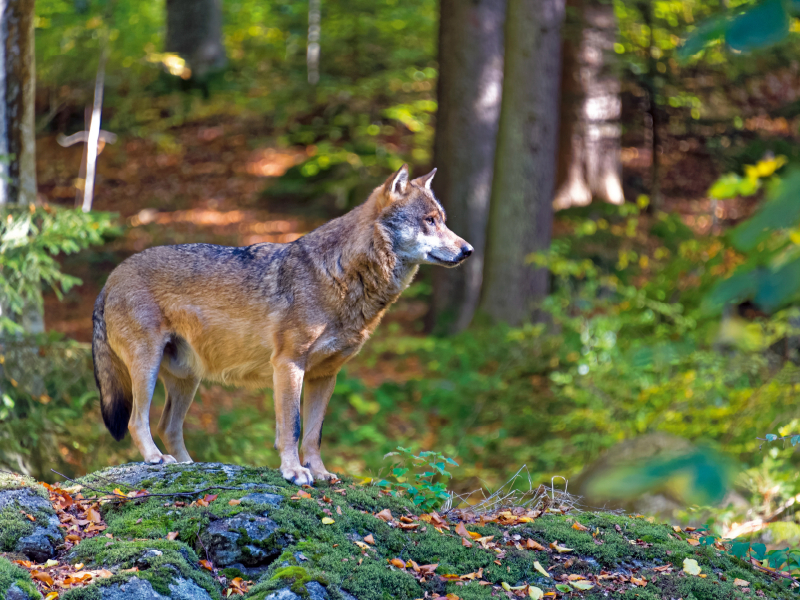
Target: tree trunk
17,87
589,164
521,214
194,31
470,86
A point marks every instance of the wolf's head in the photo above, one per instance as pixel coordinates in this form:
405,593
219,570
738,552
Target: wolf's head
416,222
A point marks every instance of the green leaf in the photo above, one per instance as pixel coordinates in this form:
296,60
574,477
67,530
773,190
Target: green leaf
781,211
740,549
582,585
704,34
764,25
563,587
795,440
758,551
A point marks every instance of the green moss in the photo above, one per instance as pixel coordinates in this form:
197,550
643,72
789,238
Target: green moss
11,574
13,526
9,481
176,559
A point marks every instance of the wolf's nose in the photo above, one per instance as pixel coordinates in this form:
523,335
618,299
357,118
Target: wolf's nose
466,251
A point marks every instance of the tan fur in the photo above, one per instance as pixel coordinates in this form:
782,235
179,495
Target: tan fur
286,315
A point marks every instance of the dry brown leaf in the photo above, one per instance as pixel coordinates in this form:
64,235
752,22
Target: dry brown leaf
398,563
466,543
43,577
640,582
693,542
741,582
533,545
172,536
234,502
369,539
207,564
578,527
385,515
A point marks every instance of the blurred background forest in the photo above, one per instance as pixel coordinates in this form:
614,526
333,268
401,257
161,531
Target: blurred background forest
625,171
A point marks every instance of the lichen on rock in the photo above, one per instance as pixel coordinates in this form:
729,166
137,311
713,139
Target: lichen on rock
208,528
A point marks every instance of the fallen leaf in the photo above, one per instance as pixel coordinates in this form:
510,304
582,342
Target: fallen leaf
535,593
172,536
741,582
578,527
50,563
210,497
538,566
693,542
676,528
369,539
234,502
691,567
78,566
582,585
303,494
104,573
207,564
339,510
466,543
361,545
398,563
93,515
43,577
462,531
533,545
328,521
560,549
51,596
385,514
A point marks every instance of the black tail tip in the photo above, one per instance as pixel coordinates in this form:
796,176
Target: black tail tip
116,415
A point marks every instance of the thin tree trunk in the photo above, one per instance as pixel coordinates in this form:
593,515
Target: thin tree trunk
194,31
589,163
17,88
469,95
521,214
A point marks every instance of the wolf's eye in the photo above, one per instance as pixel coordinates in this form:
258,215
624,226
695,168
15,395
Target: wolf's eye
430,221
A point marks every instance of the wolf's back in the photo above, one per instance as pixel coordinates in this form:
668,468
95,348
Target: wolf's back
110,374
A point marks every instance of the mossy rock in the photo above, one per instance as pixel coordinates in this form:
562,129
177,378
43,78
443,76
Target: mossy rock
15,583
279,541
28,523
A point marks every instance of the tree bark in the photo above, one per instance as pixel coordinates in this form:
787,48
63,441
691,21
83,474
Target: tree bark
589,164
17,88
194,31
469,95
521,214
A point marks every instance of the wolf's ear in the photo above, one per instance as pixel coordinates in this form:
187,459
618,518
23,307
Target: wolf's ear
395,186
426,180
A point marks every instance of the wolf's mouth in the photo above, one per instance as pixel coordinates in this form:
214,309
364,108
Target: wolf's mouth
444,261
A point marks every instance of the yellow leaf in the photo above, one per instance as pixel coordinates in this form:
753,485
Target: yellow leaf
50,563
582,585
362,545
535,593
691,567
51,596
328,521
538,566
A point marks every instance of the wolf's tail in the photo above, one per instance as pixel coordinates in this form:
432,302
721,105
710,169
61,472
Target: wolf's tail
111,375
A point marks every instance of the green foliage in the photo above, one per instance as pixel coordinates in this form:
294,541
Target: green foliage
30,238
424,492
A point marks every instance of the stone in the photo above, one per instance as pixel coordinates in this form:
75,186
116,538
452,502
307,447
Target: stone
41,544
285,594
222,540
262,498
141,589
15,593
316,591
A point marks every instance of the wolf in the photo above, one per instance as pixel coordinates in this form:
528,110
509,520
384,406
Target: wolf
286,315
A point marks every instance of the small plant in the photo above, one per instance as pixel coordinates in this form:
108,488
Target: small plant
425,492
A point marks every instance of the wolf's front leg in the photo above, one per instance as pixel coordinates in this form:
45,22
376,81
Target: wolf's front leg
288,382
317,394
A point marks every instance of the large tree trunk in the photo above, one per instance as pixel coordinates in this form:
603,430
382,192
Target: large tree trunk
194,31
470,86
521,215
589,163
17,87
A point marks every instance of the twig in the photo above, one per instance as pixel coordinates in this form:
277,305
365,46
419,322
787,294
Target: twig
99,491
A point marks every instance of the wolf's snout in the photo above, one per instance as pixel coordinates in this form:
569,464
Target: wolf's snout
466,251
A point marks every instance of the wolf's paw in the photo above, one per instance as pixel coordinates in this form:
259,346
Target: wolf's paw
163,459
320,473
297,475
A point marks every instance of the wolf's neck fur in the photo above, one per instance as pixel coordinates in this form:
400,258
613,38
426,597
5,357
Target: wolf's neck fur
357,259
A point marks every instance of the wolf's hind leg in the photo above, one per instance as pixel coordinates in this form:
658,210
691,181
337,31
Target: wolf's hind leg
288,383
144,374
317,393
180,393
